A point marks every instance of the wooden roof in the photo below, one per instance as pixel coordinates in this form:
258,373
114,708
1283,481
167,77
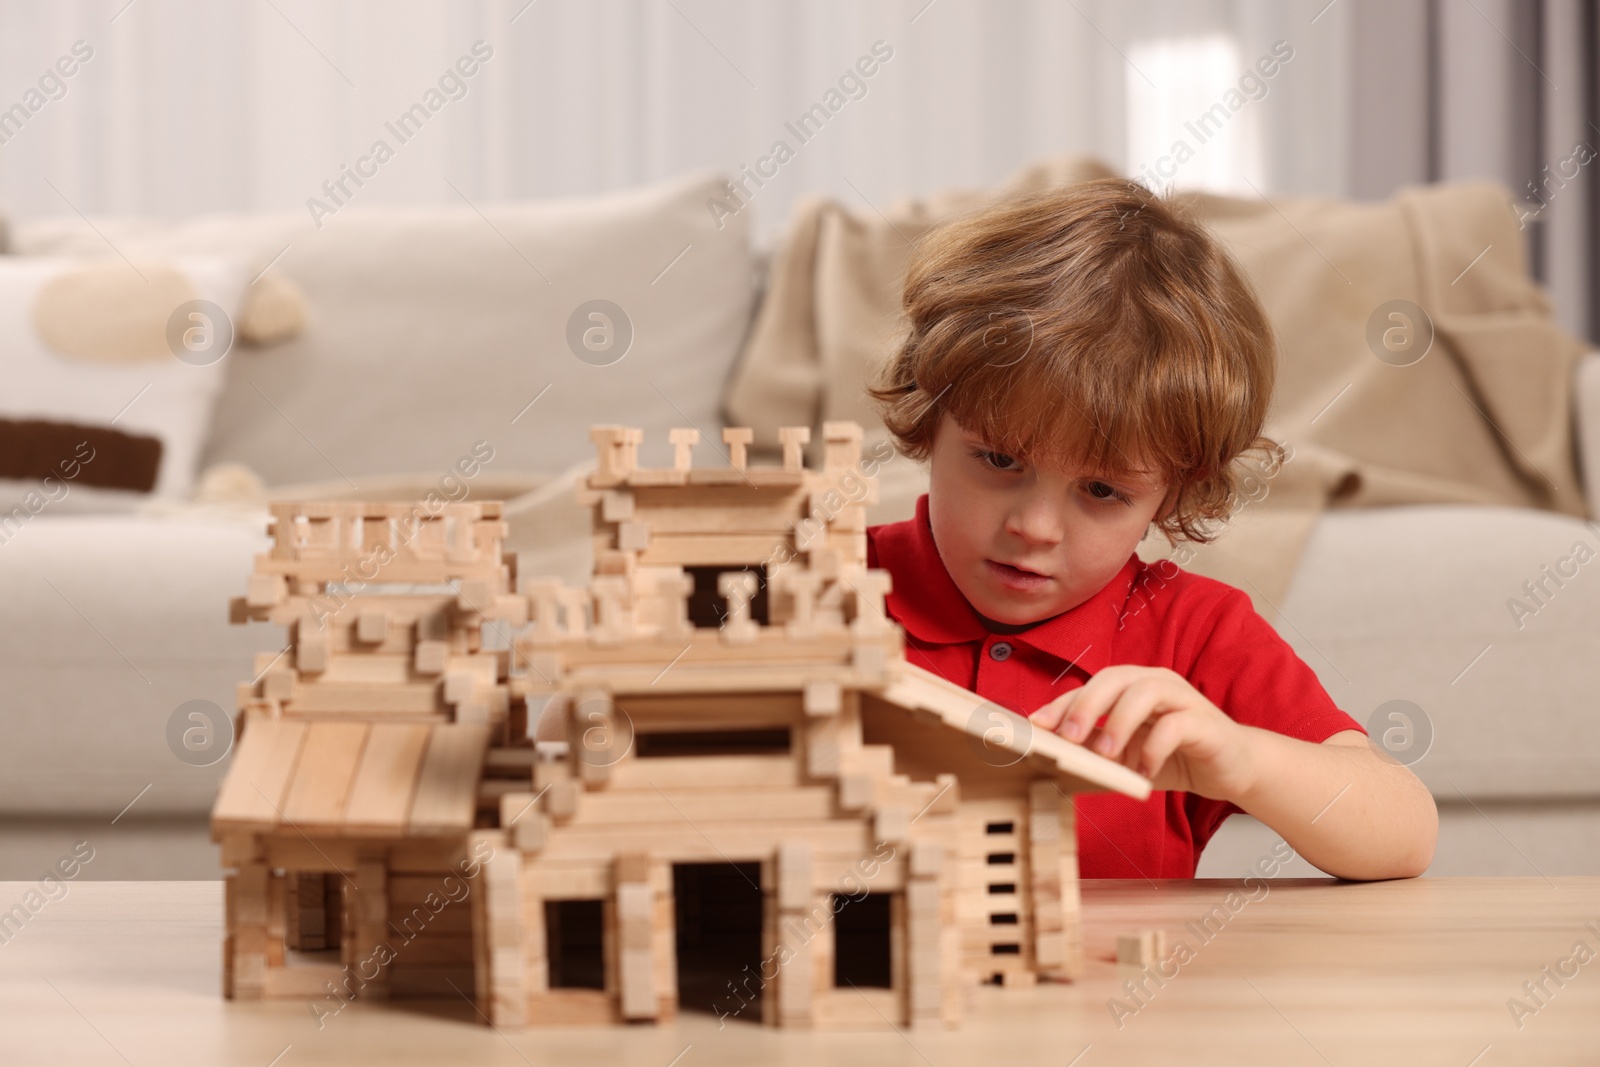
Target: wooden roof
352,779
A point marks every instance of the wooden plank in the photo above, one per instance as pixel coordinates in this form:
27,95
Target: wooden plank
371,921
501,939
396,570
528,827
380,797
914,687
447,786
369,668
561,798
571,1007
700,772
793,898
1071,916
892,823
705,806
704,672
398,718
712,711
923,944
719,511
859,1009
328,760
372,626
1044,848
236,799
772,649
823,698
313,696
252,793
632,867
247,912
690,550
794,875
482,979
826,743
797,977
567,883
757,478
430,657
308,980
635,912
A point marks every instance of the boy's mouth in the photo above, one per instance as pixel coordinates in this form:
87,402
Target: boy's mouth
1015,577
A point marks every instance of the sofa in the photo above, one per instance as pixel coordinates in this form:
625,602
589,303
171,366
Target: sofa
405,340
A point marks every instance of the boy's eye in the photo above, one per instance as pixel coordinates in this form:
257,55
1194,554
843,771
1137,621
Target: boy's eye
1111,492
998,460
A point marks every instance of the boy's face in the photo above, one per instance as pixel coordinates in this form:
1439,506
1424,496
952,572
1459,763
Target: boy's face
996,518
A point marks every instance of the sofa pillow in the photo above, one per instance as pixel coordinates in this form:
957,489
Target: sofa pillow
519,324
112,369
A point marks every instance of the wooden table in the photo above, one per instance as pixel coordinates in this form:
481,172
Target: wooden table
1290,971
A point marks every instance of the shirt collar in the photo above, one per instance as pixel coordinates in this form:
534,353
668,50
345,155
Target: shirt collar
932,609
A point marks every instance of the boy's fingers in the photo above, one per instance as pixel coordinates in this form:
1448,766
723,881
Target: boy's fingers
1159,744
1089,702
1134,706
1049,716
1124,719
1137,751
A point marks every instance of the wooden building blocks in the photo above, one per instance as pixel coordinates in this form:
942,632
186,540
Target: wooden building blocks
759,808
1141,948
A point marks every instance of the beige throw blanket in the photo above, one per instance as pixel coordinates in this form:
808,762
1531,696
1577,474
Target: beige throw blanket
1484,417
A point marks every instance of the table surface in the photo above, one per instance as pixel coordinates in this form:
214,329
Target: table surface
1290,971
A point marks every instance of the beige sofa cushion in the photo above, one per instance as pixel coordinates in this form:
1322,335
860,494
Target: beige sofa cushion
1420,604
430,330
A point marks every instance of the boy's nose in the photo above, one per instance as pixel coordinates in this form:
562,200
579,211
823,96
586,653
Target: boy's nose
1036,523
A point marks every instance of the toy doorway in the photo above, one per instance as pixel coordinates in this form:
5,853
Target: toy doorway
717,912
313,916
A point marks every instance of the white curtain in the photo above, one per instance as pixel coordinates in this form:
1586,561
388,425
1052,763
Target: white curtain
188,107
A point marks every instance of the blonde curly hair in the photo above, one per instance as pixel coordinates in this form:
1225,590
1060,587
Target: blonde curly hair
1094,325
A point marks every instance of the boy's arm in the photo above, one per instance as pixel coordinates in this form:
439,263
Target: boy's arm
1347,806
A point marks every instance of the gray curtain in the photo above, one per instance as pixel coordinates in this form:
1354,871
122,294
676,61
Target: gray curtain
1449,90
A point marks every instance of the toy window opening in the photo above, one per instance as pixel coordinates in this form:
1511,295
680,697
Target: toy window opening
861,951
708,608
768,742
574,944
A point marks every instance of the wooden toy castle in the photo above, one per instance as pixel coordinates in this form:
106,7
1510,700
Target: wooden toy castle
760,808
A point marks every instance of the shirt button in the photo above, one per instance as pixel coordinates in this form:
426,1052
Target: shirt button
1000,650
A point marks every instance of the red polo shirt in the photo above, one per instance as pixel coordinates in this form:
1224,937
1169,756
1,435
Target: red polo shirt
1203,629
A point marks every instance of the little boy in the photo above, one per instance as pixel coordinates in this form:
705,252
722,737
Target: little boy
1082,363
